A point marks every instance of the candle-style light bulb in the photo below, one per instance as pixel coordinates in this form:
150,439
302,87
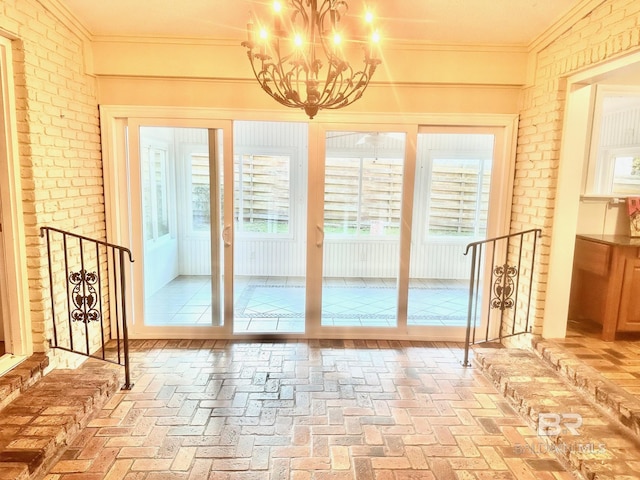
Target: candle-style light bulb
250,31
277,19
368,17
375,40
263,40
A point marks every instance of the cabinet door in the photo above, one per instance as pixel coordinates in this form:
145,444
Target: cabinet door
629,317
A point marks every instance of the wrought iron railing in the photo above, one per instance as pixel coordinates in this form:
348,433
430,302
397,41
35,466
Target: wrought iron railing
504,264
87,281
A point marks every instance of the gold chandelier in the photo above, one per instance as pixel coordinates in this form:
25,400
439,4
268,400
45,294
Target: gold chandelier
301,63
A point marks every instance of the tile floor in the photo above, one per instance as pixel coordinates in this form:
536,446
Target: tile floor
270,304
305,410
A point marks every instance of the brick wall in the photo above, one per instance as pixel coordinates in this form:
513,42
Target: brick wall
59,140
611,29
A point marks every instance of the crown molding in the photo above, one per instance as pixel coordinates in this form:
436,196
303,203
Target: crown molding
218,42
142,40
577,13
62,13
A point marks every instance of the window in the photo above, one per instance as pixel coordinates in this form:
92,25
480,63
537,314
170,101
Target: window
262,203
614,164
459,197
200,193
618,173
363,196
155,193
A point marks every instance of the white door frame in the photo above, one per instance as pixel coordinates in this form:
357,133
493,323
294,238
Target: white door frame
115,158
14,284
574,155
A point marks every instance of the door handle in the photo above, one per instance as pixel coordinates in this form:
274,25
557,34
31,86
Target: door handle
226,237
319,236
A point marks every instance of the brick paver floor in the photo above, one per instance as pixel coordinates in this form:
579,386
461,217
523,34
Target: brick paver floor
305,410
618,362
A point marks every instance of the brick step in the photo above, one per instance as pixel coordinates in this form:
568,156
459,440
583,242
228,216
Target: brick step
587,440
40,423
623,406
18,379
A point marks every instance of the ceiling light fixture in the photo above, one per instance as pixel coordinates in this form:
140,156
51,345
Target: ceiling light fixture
302,62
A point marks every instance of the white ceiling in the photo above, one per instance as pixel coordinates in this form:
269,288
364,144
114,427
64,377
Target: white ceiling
449,22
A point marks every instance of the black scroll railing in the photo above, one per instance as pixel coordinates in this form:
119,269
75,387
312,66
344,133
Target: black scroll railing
87,281
505,265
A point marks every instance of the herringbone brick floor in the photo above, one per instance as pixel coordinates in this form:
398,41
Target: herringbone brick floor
306,410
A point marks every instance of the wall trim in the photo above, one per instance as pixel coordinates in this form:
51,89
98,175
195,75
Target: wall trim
112,112
13,231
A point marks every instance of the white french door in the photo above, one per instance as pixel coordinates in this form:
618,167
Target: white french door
393,212
457,187
362,199
309,230
181,227
270,199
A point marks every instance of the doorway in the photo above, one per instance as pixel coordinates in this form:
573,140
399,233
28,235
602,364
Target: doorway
15,323
181,227
308,230
270,206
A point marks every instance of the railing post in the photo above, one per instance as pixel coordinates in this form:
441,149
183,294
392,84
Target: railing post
125,335
536,234
53,302
465,362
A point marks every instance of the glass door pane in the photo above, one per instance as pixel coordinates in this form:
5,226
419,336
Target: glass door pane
362,206
450,210
183,281
270,201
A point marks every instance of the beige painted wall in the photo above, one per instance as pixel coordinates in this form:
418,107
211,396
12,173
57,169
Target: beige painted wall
602,216
452,80
247,94
218,60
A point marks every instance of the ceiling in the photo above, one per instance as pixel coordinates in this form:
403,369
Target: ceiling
448,22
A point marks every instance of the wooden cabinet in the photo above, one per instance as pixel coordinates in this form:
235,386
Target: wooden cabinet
605,286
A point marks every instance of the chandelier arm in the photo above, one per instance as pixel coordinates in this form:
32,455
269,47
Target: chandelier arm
281,82
330,84
333,93
358,93
273,75
353,88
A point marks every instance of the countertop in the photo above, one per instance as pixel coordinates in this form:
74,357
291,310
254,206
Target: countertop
619,240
